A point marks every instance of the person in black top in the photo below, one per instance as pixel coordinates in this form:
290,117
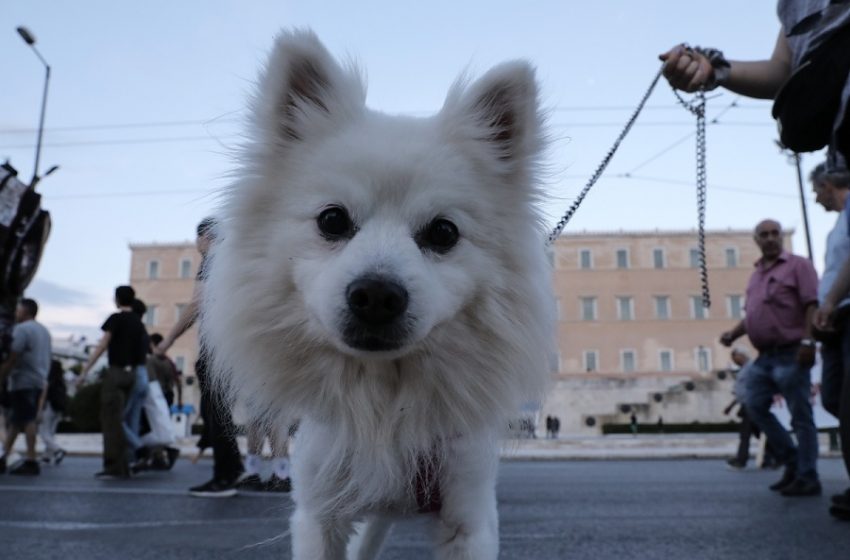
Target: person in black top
124,340
218,420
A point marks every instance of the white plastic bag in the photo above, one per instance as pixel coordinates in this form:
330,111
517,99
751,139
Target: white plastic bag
159,419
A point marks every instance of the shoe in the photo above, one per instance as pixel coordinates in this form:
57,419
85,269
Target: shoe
250,482
214,489
842,500
802,487
736,465
172,454
58,455
789,476
277,484
106,475
29,467
840,512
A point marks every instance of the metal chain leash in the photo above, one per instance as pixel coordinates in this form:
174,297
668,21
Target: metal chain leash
697,108
605,161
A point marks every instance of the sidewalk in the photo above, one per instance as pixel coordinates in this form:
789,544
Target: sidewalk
613,447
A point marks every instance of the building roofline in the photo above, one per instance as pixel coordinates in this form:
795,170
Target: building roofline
662,233
164,245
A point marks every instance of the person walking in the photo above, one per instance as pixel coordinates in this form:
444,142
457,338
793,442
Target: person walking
747,429
54,401
124,340
781,300
832,319
218,419
25,373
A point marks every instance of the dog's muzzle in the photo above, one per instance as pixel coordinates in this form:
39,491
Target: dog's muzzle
377,307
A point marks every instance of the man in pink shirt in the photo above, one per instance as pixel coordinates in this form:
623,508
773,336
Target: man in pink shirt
782,296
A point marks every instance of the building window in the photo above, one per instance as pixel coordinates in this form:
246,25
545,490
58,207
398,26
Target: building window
585,259
153,270
731,257
591,361
697,310
665,360
178,311
735,306
703,358
625,308
150,316
694,258
179,363
588,309
185,268
658,260
662,307
622,258
627,360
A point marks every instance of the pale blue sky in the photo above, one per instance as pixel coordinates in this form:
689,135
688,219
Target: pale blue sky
184,71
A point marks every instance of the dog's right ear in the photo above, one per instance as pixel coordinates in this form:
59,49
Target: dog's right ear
304,92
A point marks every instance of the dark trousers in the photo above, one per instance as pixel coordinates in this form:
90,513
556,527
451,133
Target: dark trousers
219,430
835,384
746,431
116,385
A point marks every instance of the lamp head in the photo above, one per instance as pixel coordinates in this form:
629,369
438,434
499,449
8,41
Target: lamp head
26,35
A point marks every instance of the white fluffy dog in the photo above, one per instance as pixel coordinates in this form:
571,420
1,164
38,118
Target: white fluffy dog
384,279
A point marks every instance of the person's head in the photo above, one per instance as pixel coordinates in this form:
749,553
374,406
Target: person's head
155,339
740,356
830,186
27,309
206,234
139,307
124,296
768,236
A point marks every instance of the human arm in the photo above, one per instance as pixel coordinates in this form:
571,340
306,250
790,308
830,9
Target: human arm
689,71
187,319
731,405
840,287
94,356
806,352
730,336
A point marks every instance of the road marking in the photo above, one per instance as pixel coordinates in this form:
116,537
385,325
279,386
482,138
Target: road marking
79,526
121,490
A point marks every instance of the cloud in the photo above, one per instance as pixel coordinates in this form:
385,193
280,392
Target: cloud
47,293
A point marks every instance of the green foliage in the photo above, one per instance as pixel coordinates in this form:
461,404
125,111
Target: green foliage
84,409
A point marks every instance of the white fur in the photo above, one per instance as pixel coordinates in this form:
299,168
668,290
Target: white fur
479,316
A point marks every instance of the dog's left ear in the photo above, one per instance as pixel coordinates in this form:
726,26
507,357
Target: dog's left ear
500,114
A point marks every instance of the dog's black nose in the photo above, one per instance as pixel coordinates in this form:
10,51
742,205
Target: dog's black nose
376,301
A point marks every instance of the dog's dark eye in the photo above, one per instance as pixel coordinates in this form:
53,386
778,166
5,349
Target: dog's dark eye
438,236
334,223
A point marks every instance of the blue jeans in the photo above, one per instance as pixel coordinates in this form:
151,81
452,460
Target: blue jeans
133,409
778,372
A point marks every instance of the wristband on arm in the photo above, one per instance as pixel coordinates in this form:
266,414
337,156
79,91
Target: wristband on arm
718,63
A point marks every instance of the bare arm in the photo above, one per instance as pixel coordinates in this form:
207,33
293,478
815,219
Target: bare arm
187,319
689,71
731,336
96,353
839,290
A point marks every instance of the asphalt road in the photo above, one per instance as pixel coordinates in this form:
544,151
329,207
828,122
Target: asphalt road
548,510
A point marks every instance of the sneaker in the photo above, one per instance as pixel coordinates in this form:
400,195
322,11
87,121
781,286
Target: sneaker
277,484
106,475
58,455
802,487
840,512
172,453
735,464
214,489
842,500
788,477
29,467
250,482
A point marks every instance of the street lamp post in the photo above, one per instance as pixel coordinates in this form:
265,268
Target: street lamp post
29,38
